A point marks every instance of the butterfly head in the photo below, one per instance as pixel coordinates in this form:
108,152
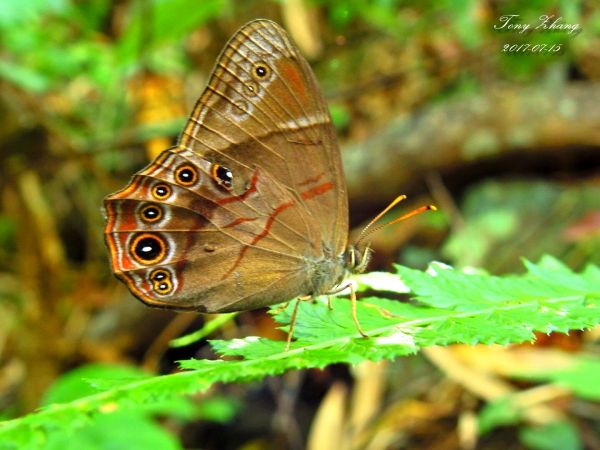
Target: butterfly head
358,257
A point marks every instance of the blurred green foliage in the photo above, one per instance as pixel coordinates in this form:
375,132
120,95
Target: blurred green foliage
579,378
74,48
513,219
563,435
68,49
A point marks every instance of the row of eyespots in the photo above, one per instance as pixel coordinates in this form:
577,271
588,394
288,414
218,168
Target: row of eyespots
151,248
239,106
187,175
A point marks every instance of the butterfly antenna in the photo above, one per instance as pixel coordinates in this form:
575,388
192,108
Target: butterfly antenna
367,230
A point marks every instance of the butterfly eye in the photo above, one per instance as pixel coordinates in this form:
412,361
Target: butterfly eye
161,191
186,175
148,248
151,213
161,281
222,176
261,71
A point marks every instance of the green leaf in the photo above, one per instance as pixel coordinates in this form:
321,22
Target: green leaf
464,21
581,377
79,382
551,436
93,378
340,115
219,409
16,12
114,431
501,412
448,288
449,306
164,21
23,77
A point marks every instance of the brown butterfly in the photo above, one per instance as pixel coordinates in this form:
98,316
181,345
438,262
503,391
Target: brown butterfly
250,208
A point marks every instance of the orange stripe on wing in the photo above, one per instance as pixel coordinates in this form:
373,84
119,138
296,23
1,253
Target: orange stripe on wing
317,190
294,79
238,221
258,237
311,180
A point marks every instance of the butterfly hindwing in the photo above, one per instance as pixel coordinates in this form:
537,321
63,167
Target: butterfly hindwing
252,200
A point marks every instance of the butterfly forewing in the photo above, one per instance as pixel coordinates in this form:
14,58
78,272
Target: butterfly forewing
279,122
235,216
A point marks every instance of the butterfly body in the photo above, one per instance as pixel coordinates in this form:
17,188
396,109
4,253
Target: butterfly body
250,208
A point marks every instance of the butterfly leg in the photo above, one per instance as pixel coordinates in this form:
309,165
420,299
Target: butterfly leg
353,301
354,316
293,321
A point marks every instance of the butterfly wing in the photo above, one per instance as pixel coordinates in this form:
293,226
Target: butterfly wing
279,120
250,208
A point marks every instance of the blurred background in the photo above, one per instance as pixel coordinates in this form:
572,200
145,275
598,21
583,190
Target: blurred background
428,98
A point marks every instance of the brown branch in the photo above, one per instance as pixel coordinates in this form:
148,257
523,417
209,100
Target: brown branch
498,122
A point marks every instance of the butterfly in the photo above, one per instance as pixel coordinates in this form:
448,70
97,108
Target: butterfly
250,208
